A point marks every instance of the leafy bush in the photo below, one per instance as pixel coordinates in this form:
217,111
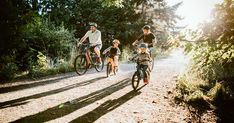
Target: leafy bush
8,71
209,80
54,42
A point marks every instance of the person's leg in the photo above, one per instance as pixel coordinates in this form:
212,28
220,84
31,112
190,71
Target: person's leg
112,63
150,51
146,74
88,57
97,51
116,61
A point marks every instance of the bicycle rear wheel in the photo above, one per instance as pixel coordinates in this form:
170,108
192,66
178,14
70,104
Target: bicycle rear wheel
135,80
80,65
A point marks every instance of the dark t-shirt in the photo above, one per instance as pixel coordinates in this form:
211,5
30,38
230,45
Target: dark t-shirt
147,38
114,51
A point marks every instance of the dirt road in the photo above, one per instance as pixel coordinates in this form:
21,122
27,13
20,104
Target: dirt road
95,98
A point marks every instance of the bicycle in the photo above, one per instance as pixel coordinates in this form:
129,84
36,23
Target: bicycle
81,62
109,66
152,62
138,76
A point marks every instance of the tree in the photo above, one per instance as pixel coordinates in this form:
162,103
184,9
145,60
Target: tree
213,50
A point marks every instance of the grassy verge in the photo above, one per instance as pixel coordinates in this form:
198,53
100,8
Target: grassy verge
203,95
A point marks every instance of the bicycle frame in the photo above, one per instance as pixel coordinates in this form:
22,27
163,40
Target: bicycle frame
88,54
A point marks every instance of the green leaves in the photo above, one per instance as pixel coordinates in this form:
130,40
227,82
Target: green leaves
215,53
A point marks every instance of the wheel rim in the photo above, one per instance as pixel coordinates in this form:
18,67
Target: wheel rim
80,65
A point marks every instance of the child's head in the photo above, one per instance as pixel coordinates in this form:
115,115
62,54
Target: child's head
116,43
143,48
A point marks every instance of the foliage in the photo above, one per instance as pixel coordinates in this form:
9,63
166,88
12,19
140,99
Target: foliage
37,34
213,52
208,82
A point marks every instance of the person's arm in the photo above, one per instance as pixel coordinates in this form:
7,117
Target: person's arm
84,38
153,40
150,58
106,50
118,52
134,58
138,39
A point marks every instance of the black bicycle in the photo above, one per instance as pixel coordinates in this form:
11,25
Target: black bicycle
81,62
138,75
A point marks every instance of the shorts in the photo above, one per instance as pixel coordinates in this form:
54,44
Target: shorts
99,46
114,60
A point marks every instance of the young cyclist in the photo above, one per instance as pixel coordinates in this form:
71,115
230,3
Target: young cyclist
114,53
148,37
143,59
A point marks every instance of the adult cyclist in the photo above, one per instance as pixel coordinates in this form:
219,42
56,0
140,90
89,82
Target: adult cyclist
95,41
147,37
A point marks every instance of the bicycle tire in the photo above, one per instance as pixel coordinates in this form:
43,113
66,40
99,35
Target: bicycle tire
80,65
135,81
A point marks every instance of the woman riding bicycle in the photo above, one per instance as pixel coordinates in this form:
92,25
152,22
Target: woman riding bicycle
114,53
147,37
95,41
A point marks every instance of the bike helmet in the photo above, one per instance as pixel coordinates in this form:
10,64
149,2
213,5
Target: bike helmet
147,27
116,41
143,45
93,24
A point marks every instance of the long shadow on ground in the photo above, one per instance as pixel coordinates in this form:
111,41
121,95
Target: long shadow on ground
106,107
31,85
24,100
69,107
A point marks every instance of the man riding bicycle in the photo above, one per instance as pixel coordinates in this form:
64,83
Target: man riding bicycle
147,37
95,41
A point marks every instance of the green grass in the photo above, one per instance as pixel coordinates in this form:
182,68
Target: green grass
201,94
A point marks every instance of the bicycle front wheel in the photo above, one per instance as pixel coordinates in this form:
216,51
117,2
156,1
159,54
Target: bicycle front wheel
80,65
135,80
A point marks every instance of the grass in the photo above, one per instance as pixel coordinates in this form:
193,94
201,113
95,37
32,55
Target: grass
63,68
203,95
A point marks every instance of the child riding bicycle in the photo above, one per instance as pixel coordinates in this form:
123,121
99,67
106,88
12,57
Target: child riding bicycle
113,53
143,60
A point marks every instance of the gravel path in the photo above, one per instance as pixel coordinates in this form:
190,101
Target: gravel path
95,98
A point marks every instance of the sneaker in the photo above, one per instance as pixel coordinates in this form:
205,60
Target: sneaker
146,81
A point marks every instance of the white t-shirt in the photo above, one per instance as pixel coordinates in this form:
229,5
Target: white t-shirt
94,37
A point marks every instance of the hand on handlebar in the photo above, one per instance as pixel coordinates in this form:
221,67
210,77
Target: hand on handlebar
78,44
134,44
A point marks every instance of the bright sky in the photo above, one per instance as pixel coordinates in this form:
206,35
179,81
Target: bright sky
194,11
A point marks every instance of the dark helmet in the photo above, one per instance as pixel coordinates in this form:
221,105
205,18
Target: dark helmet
93,24
147,27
